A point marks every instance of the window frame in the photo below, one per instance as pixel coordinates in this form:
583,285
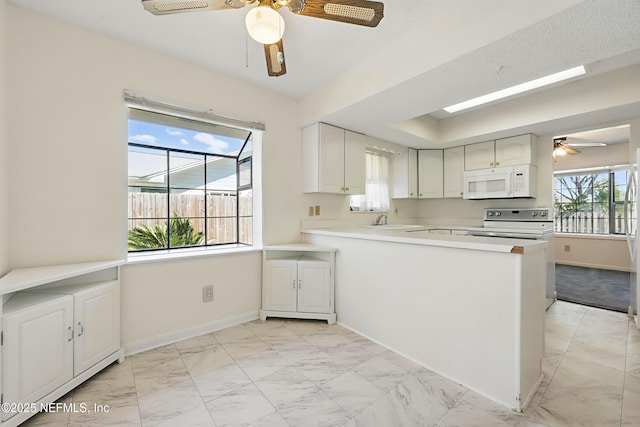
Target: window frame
612,202
240,159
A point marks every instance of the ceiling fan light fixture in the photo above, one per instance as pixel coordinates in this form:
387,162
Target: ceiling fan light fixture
264,25
559,151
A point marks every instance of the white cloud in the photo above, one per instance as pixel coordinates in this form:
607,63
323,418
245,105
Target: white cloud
184,141
148,139
215,145
174,132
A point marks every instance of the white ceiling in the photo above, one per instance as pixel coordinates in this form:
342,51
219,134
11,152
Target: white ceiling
424,55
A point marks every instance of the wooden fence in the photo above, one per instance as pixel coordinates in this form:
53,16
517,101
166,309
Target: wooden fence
586,222
151,209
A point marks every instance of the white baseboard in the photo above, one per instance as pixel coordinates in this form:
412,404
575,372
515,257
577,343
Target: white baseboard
183,334
598,266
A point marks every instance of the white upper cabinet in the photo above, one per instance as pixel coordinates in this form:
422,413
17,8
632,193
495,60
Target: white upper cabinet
333,160
430,174
404,174
355,167
515,150
479,156
453,172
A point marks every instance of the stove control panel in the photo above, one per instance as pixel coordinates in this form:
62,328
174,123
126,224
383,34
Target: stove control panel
526,214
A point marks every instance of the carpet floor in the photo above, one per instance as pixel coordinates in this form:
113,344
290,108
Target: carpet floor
594,287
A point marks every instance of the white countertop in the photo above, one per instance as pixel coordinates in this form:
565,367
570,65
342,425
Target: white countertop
24,278
423,237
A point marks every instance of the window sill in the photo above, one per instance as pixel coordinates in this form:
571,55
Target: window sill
175,254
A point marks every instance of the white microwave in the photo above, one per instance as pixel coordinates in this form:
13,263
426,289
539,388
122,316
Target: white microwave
507,182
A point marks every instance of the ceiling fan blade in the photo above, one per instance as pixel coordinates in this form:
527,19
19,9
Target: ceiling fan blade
570,150
587,144
274,53
359,12
169,7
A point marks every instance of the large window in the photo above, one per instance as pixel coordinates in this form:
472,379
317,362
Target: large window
592,202
190,183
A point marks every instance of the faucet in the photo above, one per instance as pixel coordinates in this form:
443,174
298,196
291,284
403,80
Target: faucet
380,218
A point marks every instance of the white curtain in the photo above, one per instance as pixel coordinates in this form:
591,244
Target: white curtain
376,198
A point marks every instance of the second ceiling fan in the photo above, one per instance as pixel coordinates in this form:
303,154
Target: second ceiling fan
265,24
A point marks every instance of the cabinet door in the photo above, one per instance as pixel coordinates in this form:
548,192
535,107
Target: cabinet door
413,173
37,355
516,150
280,285
430,174
453,172
404,174
355,170
314,287
479,156
331,167
97,325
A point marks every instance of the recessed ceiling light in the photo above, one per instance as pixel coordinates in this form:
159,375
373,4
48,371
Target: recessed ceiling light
513,90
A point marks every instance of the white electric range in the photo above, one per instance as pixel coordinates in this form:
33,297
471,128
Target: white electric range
526,223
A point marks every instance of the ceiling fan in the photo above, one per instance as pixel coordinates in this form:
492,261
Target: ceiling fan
265,24
562,146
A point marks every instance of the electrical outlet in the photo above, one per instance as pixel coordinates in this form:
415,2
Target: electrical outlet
311,211
207,293
317,210
567,248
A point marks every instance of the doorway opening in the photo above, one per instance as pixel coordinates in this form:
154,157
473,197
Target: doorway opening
594,217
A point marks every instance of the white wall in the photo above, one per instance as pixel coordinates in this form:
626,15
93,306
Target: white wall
68,133
609,253
4,176
162,301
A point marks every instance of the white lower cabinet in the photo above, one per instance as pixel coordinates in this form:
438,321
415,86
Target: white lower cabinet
56,333
280,287
96,322
37,350
298,283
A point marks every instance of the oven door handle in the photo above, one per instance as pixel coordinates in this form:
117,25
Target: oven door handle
484,233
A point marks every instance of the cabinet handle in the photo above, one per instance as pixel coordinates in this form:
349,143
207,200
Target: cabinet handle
70,334
420,194
411,194
346,189
294,283
81,329
497,163
491,164
299,284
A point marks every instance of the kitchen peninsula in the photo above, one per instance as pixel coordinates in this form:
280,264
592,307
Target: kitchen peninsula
469,308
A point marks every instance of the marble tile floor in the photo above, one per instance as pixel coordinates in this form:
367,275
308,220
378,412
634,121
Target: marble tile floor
307,373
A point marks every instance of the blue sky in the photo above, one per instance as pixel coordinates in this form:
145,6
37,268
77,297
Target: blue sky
167,137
